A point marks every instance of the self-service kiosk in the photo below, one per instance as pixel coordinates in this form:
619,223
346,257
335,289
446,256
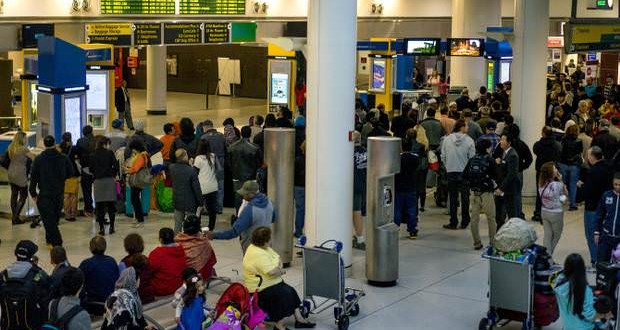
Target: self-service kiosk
282,67
29,80
499,62
100,80
62,89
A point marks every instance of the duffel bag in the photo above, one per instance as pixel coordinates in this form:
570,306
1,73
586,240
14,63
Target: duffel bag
545,309
516,234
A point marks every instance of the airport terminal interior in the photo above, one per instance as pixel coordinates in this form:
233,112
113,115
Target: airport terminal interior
362,108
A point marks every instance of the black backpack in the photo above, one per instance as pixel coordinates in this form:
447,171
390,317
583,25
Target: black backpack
478,175
60,323
19,302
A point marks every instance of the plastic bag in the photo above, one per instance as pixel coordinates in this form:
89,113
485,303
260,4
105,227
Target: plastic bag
516,234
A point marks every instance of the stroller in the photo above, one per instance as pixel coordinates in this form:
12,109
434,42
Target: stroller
238,309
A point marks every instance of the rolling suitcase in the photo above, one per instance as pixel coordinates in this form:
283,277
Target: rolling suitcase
606,278
145,198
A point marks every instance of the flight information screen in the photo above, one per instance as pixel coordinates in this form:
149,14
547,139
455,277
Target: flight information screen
120,7
212,7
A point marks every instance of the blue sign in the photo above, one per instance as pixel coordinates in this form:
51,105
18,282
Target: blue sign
98,55
591,56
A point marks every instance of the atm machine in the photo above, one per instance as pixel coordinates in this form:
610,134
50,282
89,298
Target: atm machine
100,80
282,68
61,90
499,62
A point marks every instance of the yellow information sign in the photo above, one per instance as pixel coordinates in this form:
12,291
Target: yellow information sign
108,29
591,37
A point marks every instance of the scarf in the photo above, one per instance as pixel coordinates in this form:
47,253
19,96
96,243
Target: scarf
125,298
197,248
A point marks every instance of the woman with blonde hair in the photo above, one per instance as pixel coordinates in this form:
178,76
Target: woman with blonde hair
20,159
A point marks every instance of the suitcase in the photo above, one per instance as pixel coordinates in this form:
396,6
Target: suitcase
545,309
606,278
145,198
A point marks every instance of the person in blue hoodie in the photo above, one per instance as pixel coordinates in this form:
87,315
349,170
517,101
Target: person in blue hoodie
257,212
607,233
574,295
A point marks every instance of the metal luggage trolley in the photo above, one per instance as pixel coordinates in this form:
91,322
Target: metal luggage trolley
511,291
324,278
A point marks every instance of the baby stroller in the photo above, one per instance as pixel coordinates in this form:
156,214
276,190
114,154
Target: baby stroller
238,309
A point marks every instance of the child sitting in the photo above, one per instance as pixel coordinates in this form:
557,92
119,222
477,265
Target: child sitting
604,319
191,312
187,273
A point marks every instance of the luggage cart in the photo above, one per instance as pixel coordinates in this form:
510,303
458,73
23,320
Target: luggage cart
511,291
323,276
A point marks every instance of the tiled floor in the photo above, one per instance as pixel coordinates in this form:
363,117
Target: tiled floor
442,284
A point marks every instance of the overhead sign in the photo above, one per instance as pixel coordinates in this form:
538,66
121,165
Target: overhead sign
555,42
591,37
118,34
183,33
120,7
217,33
212,7
147,34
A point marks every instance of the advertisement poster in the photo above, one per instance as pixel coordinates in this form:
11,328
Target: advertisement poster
73,114
279,88
97,93
422,47
378,75
466,47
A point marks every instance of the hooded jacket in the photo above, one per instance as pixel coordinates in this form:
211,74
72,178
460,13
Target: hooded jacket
22,269
570,320
50,169
608,214
547,149
258,213
456,150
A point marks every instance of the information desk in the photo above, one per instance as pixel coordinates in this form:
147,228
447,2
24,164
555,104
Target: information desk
212,7
119,7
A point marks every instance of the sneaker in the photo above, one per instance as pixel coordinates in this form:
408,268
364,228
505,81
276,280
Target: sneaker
464,225
422,210
70,219
18,222
536,218
299,254
478,246
101,232
450,226
413,236
138,224
573,208
359,246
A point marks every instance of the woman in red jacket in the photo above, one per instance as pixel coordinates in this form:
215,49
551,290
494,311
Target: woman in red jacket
167,262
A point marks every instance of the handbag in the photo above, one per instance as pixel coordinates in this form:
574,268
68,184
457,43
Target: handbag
5,161
433,161
142,178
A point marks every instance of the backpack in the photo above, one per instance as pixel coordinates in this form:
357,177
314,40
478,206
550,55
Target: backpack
60,323
19,302
478,175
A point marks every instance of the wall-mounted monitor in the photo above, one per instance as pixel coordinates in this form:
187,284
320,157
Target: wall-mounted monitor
377,79
471,47
422,46
97,94
279,88
32,32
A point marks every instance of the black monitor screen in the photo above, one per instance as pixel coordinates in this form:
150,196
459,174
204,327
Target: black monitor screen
32,32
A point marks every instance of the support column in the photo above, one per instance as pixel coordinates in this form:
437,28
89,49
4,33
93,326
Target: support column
470,19
529,79
332,28
156,80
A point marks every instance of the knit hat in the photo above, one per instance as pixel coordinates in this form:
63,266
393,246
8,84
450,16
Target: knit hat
300,121
139,125
117,123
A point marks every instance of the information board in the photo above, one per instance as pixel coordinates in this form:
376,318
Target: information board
591,37
212,7
120,7
118,34
97,94
182,33
147,34
217,33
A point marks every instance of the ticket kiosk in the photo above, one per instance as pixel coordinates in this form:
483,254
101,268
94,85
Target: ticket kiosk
62,88
100,80
29,80
499,62
282,68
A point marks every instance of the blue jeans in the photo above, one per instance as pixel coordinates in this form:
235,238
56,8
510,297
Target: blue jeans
589,222
220,195
406,206
570,175
300,210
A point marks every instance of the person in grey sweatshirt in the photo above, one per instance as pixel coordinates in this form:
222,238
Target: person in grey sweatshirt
456,150
69,304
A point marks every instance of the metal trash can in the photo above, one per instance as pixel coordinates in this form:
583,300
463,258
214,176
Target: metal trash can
381,232
280,160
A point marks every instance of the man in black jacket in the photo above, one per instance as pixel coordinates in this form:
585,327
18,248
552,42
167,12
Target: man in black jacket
603,139
599,180
50,169
406,202
547,149
85,147
122,102
508,180
245,158
400,124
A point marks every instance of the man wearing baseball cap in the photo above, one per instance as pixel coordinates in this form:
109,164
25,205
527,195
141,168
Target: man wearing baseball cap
17,281
258,212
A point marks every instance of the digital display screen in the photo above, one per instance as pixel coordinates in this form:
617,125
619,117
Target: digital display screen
504,73
32,32
378,75
212,7
97,93
34,100
279,88
120,7
422,46
73,116
466,47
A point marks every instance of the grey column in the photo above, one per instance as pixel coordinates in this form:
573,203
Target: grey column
280,160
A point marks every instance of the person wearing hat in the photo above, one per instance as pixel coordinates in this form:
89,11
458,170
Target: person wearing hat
258,212
122,102
49,171
605,140
118,137
490,135
25,268
152,144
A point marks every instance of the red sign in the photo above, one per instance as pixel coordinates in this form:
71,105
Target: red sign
555,42
132,62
